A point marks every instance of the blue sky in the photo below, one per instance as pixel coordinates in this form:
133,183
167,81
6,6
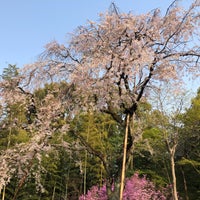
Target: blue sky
27,25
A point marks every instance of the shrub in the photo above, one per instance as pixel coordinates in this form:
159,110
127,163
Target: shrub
136,188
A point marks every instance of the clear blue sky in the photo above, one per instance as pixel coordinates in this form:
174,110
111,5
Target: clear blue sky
27,25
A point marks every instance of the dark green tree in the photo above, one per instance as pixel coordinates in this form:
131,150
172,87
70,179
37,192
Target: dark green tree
188,150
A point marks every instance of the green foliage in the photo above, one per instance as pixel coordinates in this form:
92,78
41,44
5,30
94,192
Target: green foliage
21,136
53,88
190,143
13,122
102,134
188,149
10,72
184,161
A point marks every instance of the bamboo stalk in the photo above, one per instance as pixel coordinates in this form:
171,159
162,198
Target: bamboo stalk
124,158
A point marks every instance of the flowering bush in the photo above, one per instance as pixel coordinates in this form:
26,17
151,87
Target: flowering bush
95,193
136,188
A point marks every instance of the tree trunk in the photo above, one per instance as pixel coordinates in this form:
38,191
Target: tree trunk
124,159
54,190
85,175
4,192
185,184
174,188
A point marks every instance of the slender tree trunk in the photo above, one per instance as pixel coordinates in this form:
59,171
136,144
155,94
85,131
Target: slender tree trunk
185,184
85,168
174,187
167,170
124,159
85,174
54,189
4,192
9,137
